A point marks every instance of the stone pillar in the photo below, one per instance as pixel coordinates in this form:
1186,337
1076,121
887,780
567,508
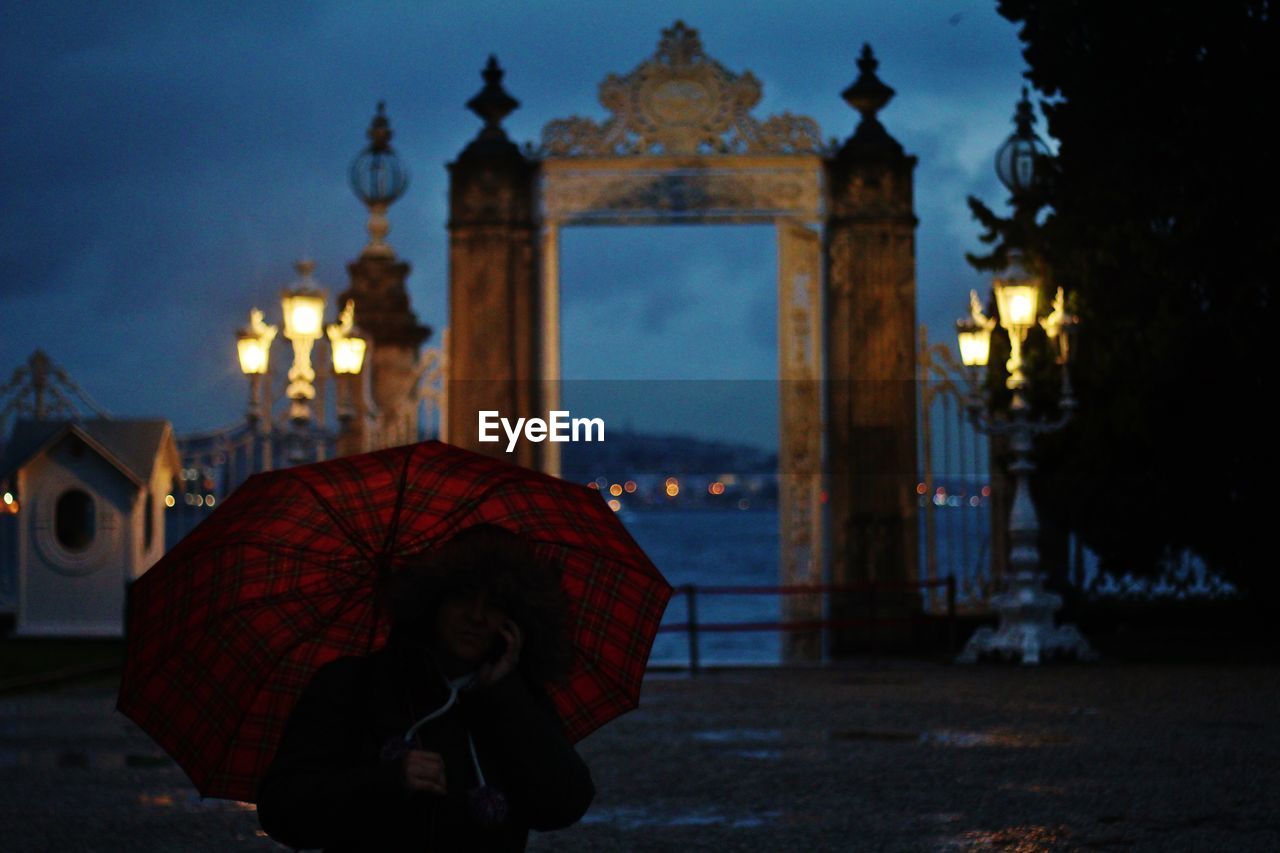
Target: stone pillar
353,414
384,315
494,315
871,414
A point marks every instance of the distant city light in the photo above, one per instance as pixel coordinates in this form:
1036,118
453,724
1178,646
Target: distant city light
716,488
8,497
743,503
629,487
615,489
615,504
673,488
189,499
208,500
593,485
975,501
921,488
986,491
169,501
199,500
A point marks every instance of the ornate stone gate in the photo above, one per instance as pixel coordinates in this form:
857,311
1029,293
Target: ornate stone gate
681,146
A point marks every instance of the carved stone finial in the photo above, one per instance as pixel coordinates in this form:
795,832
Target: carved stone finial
492,103
1025,118
379,131
868,95
378,178
1018,159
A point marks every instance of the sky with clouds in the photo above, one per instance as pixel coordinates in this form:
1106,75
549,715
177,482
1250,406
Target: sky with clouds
165,164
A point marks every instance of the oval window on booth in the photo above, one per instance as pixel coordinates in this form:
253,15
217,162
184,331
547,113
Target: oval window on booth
74,522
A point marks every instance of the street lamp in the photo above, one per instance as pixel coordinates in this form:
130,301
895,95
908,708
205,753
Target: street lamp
348,357
975,335
253,346
303,306
1027,631
1017,294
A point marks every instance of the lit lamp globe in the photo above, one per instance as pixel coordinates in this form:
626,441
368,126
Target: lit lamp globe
253,355
345,341
975,342
303,306
253,345
1017,297
348,354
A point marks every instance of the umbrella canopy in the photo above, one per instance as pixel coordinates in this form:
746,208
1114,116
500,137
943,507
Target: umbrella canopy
227,629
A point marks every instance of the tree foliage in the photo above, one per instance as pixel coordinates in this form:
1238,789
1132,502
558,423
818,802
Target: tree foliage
1160,216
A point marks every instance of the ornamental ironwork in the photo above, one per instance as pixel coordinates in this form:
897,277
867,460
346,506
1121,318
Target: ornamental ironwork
680,102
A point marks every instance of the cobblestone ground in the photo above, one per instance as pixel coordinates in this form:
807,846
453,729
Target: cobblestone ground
895,757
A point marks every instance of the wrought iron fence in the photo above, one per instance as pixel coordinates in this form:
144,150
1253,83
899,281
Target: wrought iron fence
954,490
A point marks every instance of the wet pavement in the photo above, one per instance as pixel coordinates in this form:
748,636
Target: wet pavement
897,756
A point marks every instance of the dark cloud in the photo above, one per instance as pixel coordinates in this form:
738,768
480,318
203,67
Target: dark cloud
165,164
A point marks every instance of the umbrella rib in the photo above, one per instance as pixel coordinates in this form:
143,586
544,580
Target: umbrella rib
343,603
337,519
463,508
394,527
331,561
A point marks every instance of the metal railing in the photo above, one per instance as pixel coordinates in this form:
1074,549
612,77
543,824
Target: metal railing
693,628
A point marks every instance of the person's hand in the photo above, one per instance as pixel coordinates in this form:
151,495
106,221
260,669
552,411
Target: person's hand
496,670
424,771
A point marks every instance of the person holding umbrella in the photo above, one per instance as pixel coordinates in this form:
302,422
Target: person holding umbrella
443,739
277,612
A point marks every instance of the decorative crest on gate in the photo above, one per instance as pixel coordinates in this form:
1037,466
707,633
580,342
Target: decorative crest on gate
680,102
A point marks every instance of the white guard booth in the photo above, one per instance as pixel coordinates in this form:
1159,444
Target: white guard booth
90,501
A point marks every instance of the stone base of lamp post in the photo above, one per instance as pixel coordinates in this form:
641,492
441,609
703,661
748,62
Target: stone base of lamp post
1027,632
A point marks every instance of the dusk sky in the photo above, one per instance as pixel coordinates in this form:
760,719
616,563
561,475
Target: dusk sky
165,165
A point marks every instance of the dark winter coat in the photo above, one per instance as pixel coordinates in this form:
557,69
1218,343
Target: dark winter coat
329,785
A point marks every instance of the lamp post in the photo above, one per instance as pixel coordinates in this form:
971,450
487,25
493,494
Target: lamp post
253,346
348,356
1027,630
303,306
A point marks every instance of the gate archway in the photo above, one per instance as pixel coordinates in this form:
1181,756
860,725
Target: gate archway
681,146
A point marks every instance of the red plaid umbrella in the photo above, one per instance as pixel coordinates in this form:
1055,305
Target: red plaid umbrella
227,629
